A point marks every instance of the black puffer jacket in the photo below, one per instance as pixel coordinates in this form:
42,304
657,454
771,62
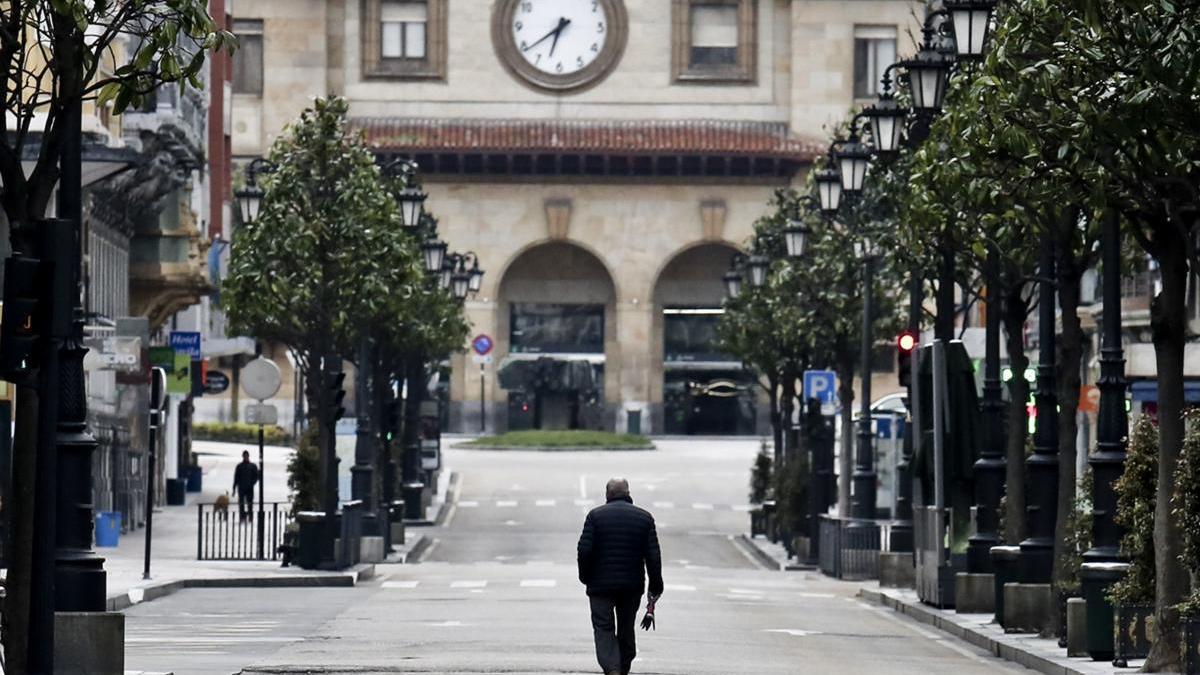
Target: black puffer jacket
619,545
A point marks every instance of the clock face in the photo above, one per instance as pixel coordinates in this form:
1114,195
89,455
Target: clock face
559,44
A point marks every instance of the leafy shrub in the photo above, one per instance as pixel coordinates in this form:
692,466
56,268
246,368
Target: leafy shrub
791,494
1185,506
1078,537
1136,490
239,432
304,473
760,476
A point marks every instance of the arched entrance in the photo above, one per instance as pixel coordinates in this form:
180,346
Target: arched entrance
556,325
704,391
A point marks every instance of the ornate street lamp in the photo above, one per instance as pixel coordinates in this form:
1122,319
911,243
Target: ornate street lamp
853,159
886,118
758,266
410,199
733,284
476,278
434,252
829,190
460,281
795,236
972,23
928,72
250,196
447,273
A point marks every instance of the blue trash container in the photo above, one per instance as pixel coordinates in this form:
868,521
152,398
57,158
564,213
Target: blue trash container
195,479
108,529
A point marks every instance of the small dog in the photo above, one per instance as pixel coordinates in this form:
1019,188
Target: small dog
221,506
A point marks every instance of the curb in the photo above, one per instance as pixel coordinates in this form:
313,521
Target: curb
418,550
137,596
980,639
762,557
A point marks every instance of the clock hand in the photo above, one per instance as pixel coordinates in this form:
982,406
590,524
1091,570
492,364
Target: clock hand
562,23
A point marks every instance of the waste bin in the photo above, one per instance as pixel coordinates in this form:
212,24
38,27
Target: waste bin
1094,581
633,421
1004,564
195,479
312,539
175,492
108,529
414,507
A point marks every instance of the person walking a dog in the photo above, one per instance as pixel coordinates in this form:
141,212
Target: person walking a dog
617,550
245,477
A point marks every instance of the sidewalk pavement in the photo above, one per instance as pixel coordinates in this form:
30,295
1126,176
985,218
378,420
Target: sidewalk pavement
1036,653
173,541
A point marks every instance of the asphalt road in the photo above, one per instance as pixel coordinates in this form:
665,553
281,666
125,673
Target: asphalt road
496,593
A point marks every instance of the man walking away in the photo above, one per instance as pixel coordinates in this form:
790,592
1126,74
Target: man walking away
618,547
245,477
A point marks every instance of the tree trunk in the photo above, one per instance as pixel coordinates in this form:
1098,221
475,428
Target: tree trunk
787,404
20,542
1168,324
1070,355
1016,309
945,300
846,452
235,388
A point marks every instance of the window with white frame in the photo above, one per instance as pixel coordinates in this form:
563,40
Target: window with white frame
248,60
404,28
874,51
404,38
714,40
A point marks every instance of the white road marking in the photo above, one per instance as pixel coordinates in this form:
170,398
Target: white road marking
506,504
209,640
469,584
539,583
816,595
679,587
744,591
743,507
582,486
512,523
546,502
664,505
468,505
503,558
446,624
401,584
428,550
794,632
584,502
702,507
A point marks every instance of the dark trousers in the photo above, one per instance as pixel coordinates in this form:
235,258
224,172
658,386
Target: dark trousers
616,643
245,504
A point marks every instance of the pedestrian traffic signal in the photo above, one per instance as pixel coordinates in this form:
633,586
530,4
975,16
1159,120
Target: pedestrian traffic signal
906,344
24,318
391,417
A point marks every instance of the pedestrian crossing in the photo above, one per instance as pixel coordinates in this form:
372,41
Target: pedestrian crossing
712,589
553,503
208,635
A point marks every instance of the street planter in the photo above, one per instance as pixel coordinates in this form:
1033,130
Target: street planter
1133,631
1190,627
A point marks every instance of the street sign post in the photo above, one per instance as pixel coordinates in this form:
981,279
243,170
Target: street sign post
215,382
821,385
261,379
158,399
482,346
261,414
187,342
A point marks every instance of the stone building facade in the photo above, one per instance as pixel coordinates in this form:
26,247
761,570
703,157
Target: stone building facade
606,196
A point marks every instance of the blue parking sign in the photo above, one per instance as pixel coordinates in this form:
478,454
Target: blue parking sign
821,385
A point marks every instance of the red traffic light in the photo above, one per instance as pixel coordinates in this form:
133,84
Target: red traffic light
907,341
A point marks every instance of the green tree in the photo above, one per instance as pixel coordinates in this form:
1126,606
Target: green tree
327,260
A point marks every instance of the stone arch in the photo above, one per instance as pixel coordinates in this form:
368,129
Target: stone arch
556,311
694,388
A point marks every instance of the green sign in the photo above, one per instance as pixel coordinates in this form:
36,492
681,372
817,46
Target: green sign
179,379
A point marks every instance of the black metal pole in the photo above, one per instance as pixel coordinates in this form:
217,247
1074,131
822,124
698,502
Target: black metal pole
151,478
990,468
362,473
902,526
262,488
1036,563
862,500
410,467
482,402
331,369
382,398
1108,461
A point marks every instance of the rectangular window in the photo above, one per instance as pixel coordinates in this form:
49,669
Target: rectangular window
248,60
403,28
874,51
714,35
691,335
540,328
714,40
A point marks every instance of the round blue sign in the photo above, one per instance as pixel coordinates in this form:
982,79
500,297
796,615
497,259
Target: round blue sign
482,344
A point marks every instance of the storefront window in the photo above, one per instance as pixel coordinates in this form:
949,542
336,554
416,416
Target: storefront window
541,328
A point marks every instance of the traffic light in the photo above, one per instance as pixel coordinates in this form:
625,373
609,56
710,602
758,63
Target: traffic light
391,417
337,395
24,320
906,344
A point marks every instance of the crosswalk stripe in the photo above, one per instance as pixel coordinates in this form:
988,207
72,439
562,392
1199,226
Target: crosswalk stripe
702,507
546,502
680,587
664,505
469,584
743,507
539,583
401,584
468,505
584,502
506,504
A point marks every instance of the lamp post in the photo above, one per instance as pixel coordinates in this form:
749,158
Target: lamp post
863,488
989,469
